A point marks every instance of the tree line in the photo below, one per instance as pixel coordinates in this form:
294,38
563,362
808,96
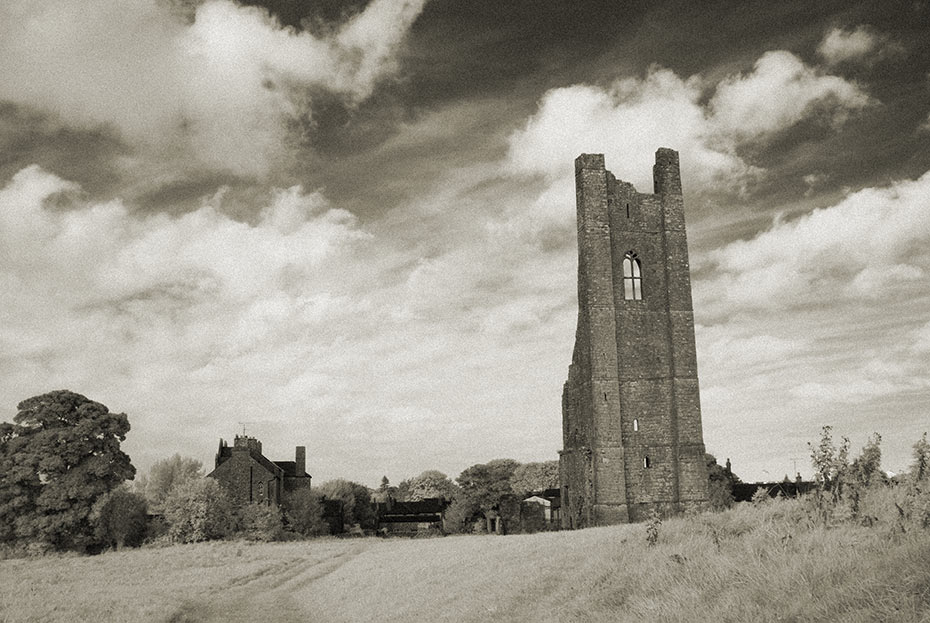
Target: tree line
65,485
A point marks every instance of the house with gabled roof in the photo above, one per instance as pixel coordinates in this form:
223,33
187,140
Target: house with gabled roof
252,478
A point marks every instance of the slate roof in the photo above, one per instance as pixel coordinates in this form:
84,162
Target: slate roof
225,452
290,469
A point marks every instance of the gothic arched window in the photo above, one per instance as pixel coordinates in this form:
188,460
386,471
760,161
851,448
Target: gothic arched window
632,278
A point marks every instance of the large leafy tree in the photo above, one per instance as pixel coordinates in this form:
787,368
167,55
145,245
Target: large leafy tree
486,484
535,477
430,484
60,454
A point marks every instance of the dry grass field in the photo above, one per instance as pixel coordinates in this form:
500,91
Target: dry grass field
748,564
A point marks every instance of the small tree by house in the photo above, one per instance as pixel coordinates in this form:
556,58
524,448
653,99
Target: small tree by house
260,522
120,518
356,501
460,515
166,474
303,511
199,510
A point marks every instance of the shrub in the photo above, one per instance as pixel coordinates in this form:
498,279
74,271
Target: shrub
356,501
260,522
652,529
720,483
460,515
199,510
760,497
304,513
119,519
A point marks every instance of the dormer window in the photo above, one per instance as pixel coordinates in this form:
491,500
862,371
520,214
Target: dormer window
632,278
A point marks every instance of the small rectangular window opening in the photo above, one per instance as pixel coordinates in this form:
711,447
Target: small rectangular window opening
646,463
635,425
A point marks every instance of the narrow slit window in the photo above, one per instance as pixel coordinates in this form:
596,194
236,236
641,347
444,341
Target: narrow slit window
635,425
632,278
628,210
646,462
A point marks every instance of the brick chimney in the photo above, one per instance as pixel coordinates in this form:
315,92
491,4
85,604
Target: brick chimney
250,443
300,460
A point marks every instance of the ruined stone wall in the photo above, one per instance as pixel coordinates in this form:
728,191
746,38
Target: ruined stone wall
631,411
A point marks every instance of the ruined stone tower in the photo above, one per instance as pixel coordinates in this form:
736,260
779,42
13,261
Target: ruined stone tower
631,415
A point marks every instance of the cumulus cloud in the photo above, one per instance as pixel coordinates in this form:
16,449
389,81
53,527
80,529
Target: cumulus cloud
630,118
103,299
779,92
633,116
868,245
116,256
302,322
841,45
218,91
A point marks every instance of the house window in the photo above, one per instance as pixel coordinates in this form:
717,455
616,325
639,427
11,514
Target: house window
632,278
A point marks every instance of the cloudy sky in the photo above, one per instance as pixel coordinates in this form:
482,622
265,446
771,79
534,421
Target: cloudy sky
350,225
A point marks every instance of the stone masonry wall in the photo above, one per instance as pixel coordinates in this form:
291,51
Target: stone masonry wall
631,409
246,479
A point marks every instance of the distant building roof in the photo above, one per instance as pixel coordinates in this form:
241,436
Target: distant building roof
553,496
290,469
225,451
421,510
